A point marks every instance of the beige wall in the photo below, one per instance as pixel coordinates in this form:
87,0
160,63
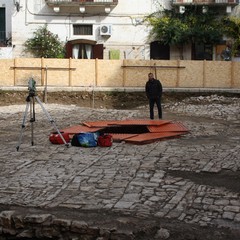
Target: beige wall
119,73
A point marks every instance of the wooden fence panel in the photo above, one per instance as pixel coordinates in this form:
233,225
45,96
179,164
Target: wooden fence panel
26,68
110,73
136,72
83,73
6,76
57,72
119,73
192,75
218,74
235,72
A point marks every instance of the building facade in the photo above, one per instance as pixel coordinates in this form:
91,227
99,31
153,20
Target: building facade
6,13
109,29
206,51
103,29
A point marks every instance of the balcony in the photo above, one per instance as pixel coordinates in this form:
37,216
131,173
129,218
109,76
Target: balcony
206,2
74,3
84,6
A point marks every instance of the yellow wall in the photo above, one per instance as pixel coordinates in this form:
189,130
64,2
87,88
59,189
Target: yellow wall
119,73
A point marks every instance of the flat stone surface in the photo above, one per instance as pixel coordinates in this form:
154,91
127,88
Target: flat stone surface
137,180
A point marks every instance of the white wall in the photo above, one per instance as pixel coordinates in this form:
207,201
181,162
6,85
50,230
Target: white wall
8,5
6,52
129,33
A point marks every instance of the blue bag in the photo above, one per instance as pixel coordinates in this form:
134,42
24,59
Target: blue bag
88,139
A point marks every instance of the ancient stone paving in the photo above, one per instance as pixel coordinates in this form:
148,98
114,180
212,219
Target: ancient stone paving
138,179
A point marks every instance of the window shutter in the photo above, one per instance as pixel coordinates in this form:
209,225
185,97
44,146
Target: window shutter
68,50
98,51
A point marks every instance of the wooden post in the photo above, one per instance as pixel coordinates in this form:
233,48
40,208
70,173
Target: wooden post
42,72
14,72
178,73
96,73
151,66
232,74
46,83
155,70
95,83
124,73
204,74
70,73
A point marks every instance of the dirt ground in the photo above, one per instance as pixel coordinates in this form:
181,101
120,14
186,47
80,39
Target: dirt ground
83,99
108,100
145,228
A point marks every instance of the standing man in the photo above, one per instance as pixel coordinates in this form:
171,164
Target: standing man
153,89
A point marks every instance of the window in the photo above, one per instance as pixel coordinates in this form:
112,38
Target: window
82,51
82,29
202,52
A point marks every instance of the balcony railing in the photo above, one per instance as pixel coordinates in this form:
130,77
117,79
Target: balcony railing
84,6
205,2
80,2
5,41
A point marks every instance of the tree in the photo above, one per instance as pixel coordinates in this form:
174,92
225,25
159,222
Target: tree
203,27
169,30
45,44
232,30
193,26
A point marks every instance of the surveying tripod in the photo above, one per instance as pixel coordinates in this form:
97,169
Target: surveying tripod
31,104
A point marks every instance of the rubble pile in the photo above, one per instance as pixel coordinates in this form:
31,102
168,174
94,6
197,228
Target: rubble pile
213,106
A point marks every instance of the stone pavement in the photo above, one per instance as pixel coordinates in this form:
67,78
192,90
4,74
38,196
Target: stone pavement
137,180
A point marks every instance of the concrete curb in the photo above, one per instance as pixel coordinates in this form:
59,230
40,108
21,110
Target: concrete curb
121,89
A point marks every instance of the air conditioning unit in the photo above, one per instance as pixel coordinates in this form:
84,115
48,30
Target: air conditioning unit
105,30
181,9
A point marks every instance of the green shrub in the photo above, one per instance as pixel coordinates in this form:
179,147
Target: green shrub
45,44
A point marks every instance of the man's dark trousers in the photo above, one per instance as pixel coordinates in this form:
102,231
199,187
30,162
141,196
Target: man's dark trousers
152,101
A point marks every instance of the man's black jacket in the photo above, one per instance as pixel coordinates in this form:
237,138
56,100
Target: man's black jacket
153,88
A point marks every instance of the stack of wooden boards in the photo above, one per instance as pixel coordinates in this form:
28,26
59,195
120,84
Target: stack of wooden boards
135,131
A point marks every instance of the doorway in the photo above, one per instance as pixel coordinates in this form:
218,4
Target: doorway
159,51
2,25
84,49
